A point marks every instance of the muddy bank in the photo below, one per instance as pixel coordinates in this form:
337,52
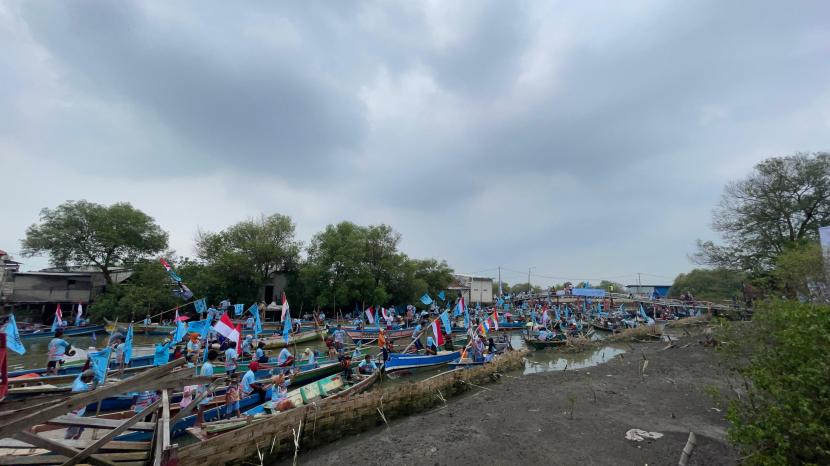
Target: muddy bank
527,419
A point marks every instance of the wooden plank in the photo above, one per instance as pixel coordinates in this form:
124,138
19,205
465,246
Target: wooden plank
111,434
59,448
18,421
80,444
121,459
165,420
98,423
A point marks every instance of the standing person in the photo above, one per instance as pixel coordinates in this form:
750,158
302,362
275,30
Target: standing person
339,338
81,384
57,349
207,370
230,361
249,383
232,397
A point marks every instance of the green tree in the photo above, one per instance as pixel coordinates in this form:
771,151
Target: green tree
798,269
784,417
524,287
505,287
783,202
147,291
708,284
85,233
611,286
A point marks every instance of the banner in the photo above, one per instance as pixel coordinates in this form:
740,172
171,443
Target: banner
589,292
200,305
13,341
238,309
100,364
426,299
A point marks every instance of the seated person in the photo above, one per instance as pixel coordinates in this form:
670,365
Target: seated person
431,347
543,335
367,366
285,358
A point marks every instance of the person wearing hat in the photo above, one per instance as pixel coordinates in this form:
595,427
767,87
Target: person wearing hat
249,383
311,358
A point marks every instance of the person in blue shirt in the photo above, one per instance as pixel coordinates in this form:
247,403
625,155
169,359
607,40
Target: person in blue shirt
230,361
367,366
416,336
285,358
431,348
207,370
147,320
56,350
339,338
249,383
260,353
81,384
247,345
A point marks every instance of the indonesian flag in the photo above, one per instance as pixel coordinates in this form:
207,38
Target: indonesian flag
59,314
284,306
370,315
437,331
384,313
496,318
225,327
239,340
165,264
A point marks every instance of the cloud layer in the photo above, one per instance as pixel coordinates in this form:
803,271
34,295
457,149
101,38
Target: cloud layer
586,140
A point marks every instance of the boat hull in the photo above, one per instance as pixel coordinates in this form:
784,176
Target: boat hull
398,361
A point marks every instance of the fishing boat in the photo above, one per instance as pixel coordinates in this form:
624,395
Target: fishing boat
67,331
534,342
371,334
399,361
277,341
611,324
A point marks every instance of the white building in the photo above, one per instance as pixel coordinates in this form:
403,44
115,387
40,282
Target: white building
474,289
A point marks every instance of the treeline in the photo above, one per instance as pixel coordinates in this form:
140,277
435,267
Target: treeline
344,266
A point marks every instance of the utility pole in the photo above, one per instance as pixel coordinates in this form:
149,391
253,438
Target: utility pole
500,292
639,284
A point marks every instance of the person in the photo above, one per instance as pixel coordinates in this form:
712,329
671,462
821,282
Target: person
142,400
232,397
247,346
448,345
311,358
249,322
367,366
478,349
322,317
56,350
543,334
346,366
81,384
279,394
491,345
339,338
285,358
147,320
193,345
177,352
416,336
207,370
249,383
230,361
357,353
431,348
260,355
118,350
387,349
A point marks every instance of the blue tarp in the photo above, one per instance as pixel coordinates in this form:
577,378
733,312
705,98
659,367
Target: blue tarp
590,292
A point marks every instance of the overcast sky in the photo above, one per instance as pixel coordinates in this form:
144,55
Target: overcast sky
585,139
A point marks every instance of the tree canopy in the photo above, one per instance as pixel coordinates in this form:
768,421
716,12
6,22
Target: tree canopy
782,203
709,284
84,233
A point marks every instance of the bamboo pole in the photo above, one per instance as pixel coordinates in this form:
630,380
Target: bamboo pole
686,454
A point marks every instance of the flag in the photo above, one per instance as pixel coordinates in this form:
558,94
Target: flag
59,314
426,299
161,355
94,338
100,364
441,296
482,329
284,307
225,327
370,315
239,341
436,330
181,329
238,309
258,324
79,315
200,305
286,328
55,324
13,341
202,327
445,319
254,309
384,313
128,345
496,318
169,270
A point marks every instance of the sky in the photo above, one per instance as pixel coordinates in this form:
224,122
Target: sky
582,140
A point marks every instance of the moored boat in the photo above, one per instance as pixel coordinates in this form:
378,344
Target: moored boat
399,361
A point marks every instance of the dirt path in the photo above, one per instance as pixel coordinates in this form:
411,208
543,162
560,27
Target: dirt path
526,419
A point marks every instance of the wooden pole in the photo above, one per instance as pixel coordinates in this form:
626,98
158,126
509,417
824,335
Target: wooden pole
687,450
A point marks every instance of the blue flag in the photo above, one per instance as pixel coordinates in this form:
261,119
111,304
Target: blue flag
13,340
128,345
258,323
161,355
466,318
445,321
556,311
180,332
100,364
238,309
426,299
94,338
202,327
286,327
55,323
441,296
200,305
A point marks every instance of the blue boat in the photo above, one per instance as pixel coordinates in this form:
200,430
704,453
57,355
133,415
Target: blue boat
399,361
137,361
67,331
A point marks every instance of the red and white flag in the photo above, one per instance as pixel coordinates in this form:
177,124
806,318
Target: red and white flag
496,318
225,327
438,332
80,309
384,313
165,264
370,315
239,340
284,307
59,314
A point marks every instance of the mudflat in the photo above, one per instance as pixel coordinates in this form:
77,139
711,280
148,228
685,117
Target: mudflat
564,417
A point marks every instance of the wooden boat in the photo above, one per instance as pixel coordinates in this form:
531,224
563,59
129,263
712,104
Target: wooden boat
276,341
370,334
67,331
535,343
399,361
609,325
